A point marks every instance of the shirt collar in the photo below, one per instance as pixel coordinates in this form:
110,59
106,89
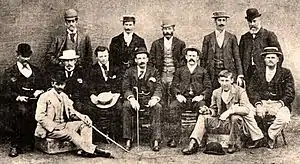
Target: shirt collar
107,64
191,67
218,33
127,35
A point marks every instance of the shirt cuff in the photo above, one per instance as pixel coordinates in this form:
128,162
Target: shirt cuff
282,103
155,97
129,97
240,76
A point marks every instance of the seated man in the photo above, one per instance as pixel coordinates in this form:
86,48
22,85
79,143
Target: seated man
104,82
272,91
229,105
191,86
146,81
58,119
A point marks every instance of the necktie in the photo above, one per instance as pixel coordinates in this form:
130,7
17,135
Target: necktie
72,37
141,74
105,69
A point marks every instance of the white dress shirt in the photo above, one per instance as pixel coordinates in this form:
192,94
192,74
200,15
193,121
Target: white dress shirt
168,43
72,32
24,69
220,37
128,38
191,67
270,73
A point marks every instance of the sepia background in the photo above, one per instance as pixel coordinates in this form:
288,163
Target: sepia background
37,21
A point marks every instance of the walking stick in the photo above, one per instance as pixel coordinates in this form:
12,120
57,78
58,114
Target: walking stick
137,119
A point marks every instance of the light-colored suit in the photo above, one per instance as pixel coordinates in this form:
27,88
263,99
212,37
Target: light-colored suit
55,116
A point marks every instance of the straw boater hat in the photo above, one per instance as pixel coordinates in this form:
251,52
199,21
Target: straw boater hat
167,22
107,99
71,14
271,50
68,55
220,14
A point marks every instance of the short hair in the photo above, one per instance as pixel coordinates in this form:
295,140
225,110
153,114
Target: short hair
59,77
226,73
101,49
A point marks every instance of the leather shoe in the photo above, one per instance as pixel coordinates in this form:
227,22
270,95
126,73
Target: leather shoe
128,145
102,153
193,148
257,144
172,143
231,149
13,152
271,143
155,146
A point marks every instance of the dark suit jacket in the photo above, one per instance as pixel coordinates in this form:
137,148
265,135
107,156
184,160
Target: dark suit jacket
231,54
118,52
281,87
199,80
157,53
254,47
83,49
97,83
152,78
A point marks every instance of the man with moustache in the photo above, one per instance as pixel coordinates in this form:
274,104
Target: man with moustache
72,39
166,56
272,90
191,86
22,84
253,43
122,47
220,51
148,83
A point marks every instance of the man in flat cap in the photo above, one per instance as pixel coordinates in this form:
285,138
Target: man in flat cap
220,51
253,43
122,46
271,91
166,56
22,84
191,86
72,38
142,81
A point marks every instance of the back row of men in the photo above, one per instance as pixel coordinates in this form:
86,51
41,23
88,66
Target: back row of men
167,77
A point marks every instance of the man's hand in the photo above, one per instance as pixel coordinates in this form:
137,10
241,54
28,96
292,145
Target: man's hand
152,102
225,115
204,110
260,111
37,93
180,98
22,98
86,119
134,104
198,98
240,80
94,99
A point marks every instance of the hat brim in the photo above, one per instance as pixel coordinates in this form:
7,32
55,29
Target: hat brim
266,53
253,17
68,58
112,102
168,25
222,16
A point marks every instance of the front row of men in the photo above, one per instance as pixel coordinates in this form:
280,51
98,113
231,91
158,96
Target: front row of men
271,91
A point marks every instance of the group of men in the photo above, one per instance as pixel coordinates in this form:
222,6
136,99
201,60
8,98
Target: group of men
171,77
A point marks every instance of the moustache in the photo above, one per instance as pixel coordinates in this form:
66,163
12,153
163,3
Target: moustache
252,26
127,29
192,60
221,25
166,33
142,63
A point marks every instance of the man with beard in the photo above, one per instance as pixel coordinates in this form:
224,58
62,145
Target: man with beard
58,119
253,43
22,84
220,51
191,86
145,80
230,110
272,90
72,39
122,47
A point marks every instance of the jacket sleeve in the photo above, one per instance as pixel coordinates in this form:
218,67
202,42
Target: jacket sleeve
152,56
8,92
244,106
205,52
241,51
52,53
236,55
87,59
181,55
253,88
158,88
114,52
213,104
207,85
175,86
289,88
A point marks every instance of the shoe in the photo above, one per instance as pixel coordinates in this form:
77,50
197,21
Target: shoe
155,146
271,143
192,149
13,152
128,145
102,153
172,143
231,149
257,144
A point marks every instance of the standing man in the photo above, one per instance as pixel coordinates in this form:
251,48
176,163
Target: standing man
253,43
122,47
191,86
72,39
272,91
166,55
146,81
220,51
22,84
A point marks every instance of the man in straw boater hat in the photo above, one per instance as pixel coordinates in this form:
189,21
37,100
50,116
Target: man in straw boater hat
58,119
220,51
253,43
272,91
230,111
142,89
122,46
190,88
22,84
104,83
73,38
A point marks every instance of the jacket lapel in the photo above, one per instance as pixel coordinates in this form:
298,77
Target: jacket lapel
161,45
226,37
277,75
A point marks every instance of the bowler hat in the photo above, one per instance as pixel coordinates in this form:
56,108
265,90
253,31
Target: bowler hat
271,50
220,14
252,13
24,50
107,99
214,148
141,50
71,14
191,48
68,55
167,23
128,18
